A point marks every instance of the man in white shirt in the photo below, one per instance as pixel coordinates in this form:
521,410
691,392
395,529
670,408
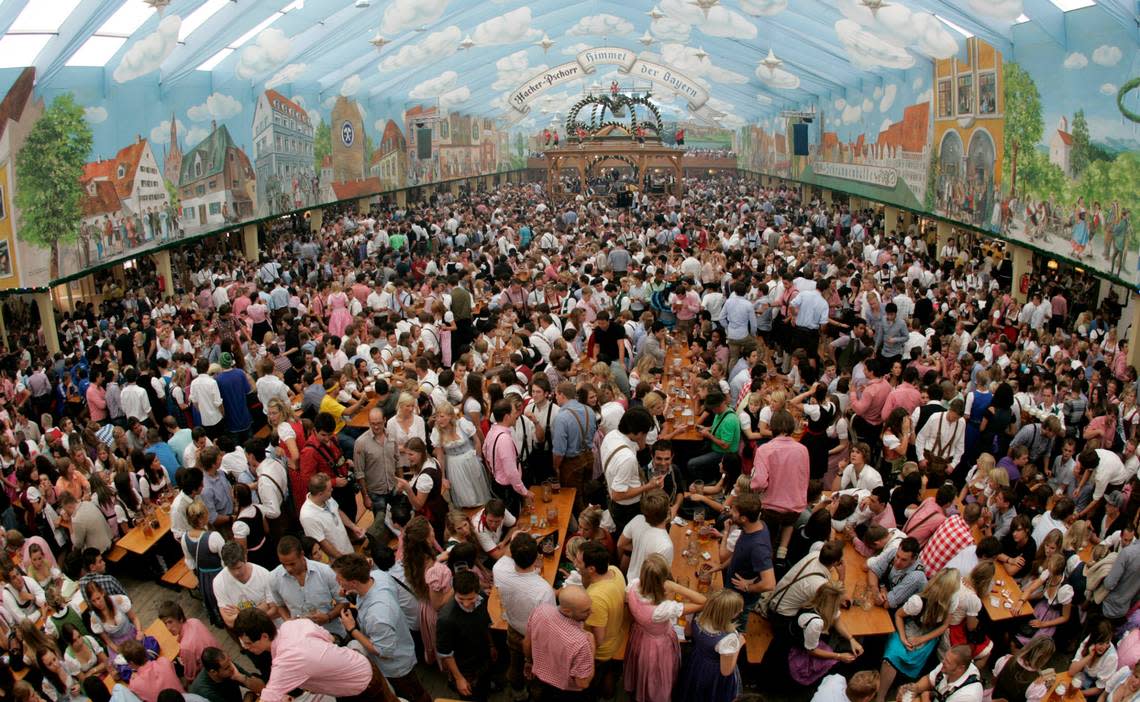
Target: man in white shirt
242,584
136,404
270,385
1110,474
835,688
207,399
647,533
493,527
619,463
521,588
272,482
942,438
955,679
323,520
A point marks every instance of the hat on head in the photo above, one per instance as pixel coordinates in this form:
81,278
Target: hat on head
227,360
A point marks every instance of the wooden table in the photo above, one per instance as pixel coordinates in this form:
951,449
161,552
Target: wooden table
137,540
564,503
685,573
360,419
676,361
1000,612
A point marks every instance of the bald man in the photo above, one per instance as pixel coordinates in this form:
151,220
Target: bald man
374,457
559,651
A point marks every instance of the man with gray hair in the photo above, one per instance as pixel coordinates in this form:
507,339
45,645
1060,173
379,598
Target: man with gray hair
244,585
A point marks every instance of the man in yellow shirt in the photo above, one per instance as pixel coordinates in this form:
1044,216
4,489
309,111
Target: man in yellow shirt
609,621
345,437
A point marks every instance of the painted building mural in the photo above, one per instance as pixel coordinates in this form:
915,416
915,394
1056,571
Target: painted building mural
1044,150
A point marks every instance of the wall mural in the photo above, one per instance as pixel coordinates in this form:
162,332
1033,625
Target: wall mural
1043,150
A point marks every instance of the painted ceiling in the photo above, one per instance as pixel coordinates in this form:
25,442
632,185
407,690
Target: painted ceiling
755,57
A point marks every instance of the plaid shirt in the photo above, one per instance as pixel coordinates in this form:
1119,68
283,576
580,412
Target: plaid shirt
109,583
951,537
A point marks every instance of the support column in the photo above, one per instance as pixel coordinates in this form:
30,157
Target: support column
945,231
364,204
249,240
1022,264
1134,332
316,220
890,218
47,320
3,327
827,197
162,267
402,199
455,188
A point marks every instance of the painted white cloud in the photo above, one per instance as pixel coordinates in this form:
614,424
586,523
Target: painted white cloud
684,58
218,107
764,8
161,134
600,25
1075,61
731,121
512,27
867,50
852,114
669,29
196,135
286,75
934,39
889,94
575,49
868,105
917,84
925,96
434,47
1007,10
1107,55
444,87
878,92
764,99
778,78
720,21
267,51
513,69
314,116
403,15
148,53
95,115
351,85
1109,89
379,125
885,125
329,102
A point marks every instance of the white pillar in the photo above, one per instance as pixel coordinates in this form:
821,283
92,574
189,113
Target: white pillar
249,240
364,204
47,320
890,218
401,198
1022,264
316,218
1134,331
162,264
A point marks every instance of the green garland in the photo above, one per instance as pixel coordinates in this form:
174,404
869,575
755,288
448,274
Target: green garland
1125,89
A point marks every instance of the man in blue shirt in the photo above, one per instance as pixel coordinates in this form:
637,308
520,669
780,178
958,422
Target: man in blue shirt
738,317
234,386
216,490
572,439
811,316
379,627
170,461
307,588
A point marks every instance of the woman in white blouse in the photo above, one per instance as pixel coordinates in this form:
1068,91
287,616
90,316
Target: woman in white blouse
406,424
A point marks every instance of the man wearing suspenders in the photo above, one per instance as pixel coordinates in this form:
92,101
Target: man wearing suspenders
572,440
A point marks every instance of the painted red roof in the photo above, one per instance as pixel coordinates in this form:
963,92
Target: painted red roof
128,157
104,201
1066,137
273,96
357,188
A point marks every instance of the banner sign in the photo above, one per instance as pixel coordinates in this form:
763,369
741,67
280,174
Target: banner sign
587,62
874,175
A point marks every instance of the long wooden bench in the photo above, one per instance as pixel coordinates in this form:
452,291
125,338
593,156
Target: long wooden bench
116,554
180,575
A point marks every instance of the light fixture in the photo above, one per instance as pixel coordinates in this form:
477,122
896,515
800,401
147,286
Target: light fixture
467,43
701,54
874,5
1051,265
771,62
646,38
379,42
545,42
655,13
705,5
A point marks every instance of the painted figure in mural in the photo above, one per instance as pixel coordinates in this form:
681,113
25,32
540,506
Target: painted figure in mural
148,230
1080,237
1122,236
164,223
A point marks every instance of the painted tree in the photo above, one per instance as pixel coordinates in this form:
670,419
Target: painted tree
48,170
1081,155
322,145
930,201
1023,123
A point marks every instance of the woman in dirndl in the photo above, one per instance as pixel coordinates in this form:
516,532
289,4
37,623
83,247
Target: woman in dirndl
919,623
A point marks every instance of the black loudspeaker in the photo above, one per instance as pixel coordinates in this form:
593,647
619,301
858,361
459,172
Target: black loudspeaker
423,144
625,199
800,139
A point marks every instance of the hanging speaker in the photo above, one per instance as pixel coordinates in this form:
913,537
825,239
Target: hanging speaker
800,139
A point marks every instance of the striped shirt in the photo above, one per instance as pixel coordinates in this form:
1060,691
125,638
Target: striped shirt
560,648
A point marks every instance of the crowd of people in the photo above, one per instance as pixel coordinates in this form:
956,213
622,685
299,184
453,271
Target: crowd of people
347,432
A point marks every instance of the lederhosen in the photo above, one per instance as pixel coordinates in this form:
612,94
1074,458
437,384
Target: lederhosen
506,493
435,507
571,472
938,457
540,459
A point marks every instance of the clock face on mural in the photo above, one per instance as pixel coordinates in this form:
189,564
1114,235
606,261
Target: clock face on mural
347,133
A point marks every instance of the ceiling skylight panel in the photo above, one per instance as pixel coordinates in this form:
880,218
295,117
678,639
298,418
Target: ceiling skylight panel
198,17
127,19
19,50
96,51
43,17
212,62
1067,5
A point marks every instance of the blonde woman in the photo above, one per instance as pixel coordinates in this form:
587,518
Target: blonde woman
653,655
406,424
810,657
919,623
290,433
457,449
710,674
965,627
777,400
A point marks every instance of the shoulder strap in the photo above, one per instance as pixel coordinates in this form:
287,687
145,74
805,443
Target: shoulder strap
611,456
780,594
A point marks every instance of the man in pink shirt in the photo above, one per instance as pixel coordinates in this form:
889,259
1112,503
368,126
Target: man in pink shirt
930,514
193,637
905,395
502,456
559,652
305,656
780,470
97,397
867,404
149,678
